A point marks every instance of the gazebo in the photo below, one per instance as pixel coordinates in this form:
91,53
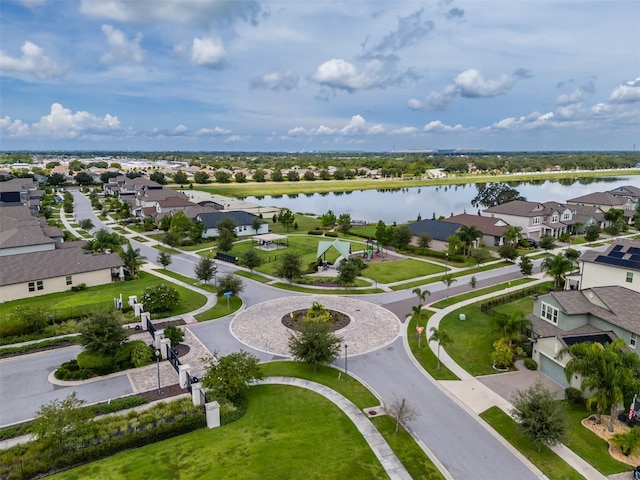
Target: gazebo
270,241
344,248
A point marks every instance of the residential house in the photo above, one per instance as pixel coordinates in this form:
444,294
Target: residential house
493,229
21,232
628,191
243,220
583,216
598,314
618,265
535,219
439,231
606,201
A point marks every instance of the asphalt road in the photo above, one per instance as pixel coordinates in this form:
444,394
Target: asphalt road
457,438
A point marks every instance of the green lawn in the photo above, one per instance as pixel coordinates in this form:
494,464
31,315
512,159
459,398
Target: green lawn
261,445
409,453
103,295
191,281
588,445
220,309
325,291
398,270
352,389
253,276
470,271
425,357
305,223
479,292
546,460
474,337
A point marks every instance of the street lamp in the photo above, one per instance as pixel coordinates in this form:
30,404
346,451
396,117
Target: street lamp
158,353
345,362
446,260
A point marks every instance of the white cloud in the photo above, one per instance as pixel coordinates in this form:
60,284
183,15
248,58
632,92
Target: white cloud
33,4
579,95
355,126
404,131
219,12
276,81
15,128
439,127
471,83
33,61
212,132
180,130
532,121
121,50
233,139
208,52
440,100
378,73
63,123
627,93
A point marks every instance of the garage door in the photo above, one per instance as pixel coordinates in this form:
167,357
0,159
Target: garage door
553,370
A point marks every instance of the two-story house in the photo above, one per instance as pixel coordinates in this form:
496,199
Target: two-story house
536,219
606,201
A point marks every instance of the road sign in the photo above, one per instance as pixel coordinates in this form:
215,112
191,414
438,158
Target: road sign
227,294
419,329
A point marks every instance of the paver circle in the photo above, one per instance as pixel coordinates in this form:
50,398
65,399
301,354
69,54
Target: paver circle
260,327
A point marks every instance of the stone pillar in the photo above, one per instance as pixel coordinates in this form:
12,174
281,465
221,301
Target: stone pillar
212,410
133,299
144,317
165,343
158,338
182,372
138,308
196,394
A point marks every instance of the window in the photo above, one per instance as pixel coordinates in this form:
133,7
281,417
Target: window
40,285
629,277
554,219
535,220
633,341
69,280
549,313
566,216
32,286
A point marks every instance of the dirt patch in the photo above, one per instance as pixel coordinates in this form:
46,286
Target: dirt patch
165,392
602,430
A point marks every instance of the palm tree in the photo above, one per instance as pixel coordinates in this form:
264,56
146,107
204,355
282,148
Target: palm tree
510,326
468,235
442,337
132,260
448,280
104,240
421,294
512,235
608,371
557,266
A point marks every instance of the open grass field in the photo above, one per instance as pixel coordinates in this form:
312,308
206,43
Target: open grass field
286,430
103,295
398,270
546,460
479,292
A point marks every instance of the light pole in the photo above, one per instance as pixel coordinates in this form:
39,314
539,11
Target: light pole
446,260
158,364
346,374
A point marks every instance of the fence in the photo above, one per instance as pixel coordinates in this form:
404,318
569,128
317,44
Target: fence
488,307
151,328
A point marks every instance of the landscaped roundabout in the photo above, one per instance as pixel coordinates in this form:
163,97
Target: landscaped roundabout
363,326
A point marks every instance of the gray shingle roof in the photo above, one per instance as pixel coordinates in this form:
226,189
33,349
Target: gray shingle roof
487,225
53,263
210,220
599,198
438,229
520,208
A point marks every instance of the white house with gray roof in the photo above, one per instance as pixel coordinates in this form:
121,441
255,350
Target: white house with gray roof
243,220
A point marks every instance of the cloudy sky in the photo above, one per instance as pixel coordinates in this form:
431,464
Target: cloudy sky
319,75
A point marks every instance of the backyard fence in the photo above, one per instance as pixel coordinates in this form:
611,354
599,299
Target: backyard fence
488,307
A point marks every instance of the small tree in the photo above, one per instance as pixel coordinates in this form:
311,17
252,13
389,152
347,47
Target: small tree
448,280
628,442
86,224
180,178
314,343
251,259
480,255
401,236
348,271
132,260
424,240
401,412
547,242
508,251
540,416
102,333
344,223
592,233
175,334
256,224
230,283
164,259
442,338
290,266
205,269
229,377
226,238
286,218
60,420
473,282
159,298
526,265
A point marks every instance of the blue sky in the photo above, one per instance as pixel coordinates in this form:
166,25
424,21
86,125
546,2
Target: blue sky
323,75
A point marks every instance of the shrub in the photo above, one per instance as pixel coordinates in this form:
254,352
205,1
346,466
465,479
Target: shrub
573,395
175,334
159,298
141,354
331,234
78,288
628,442
530,363
100,364
502,355
71,371
315,232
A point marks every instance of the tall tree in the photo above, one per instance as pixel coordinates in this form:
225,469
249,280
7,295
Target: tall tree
181,225
492,194
132,260
290,266
102,333
609,372
251,259
180,178
286,218
443,339
468,235
401,237
344,223
556,267
540,416
328,219
205,269
314,343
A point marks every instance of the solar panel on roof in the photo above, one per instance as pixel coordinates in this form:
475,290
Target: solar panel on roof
619,262
616,254
617,248
634,250
635,258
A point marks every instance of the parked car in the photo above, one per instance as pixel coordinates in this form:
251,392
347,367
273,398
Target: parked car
532,243
636,473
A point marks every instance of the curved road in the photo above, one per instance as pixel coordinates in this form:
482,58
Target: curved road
456,436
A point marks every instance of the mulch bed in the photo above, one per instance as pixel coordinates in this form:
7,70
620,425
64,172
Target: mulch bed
338,319
159,325
39,349
165,392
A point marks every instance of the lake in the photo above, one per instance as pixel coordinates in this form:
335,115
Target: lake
404,204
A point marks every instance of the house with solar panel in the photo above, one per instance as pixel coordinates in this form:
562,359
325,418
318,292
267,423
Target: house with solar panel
601,303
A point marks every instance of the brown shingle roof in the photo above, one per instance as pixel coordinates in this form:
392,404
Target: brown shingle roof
487,225
53,263
600,198
520,208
